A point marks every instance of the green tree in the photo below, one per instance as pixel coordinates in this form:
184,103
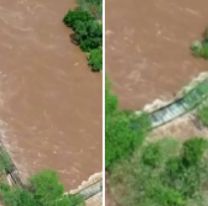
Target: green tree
89,35
193,151
73,17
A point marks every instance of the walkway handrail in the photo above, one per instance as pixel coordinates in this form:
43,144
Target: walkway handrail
181,105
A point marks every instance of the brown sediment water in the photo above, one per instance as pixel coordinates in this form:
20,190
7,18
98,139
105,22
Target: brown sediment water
50,101
148,47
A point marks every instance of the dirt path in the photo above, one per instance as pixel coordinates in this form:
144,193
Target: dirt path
148,43
50,104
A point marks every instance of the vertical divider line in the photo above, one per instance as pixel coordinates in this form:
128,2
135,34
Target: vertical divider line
103,100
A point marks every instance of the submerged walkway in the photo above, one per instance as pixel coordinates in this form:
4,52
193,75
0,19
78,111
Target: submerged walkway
91,190
188,101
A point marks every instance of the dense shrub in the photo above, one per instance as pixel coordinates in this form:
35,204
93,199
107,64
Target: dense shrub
95,59
184,173
170,181
192,151
73,17
200,49
165,196
88,35
44,189
88,32
152,155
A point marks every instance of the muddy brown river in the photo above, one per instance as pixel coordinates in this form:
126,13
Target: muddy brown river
148,47
50,101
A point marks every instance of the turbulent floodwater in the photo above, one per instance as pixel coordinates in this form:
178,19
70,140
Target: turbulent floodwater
50,101
148,47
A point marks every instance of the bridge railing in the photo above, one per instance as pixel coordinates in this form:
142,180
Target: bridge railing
180,106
